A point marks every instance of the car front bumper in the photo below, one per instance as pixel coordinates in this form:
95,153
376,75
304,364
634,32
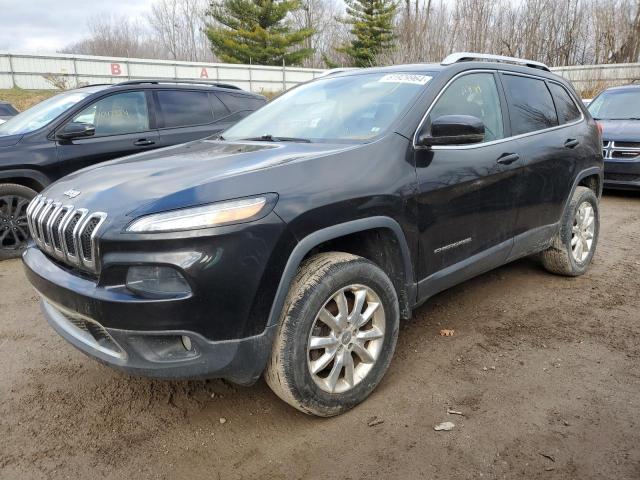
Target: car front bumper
90,317
162,354
622,174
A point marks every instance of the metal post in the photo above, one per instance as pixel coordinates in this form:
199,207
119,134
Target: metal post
13,73
75,72
284,76
250,77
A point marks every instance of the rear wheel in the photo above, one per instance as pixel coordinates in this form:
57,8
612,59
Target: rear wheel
336,336
574,245
14,232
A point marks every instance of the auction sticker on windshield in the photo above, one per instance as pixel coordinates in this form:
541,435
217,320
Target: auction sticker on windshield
405,78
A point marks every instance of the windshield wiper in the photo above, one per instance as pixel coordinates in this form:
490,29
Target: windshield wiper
271,138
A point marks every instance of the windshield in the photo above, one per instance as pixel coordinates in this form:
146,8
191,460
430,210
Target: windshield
351,108
41,114
616,105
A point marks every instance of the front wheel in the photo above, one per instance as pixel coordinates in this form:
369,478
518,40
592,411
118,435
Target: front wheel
14,231
574,245
337,334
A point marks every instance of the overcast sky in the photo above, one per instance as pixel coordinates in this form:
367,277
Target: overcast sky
45,26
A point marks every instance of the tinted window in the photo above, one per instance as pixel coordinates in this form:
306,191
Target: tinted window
236,103
566,107
6,109
219,110
117,114
475,94
184,108
530,104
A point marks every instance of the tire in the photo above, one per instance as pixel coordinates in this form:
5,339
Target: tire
561,257
14,232
316,287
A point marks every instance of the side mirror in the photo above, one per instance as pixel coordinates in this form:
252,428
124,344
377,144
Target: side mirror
76,130
452,130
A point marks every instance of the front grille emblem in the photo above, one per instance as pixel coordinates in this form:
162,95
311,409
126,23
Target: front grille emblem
71,193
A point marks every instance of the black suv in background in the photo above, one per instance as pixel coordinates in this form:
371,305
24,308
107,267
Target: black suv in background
81,127
6,111
617,110
294,245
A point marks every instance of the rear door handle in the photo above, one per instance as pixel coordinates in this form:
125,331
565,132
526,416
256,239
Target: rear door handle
143,142
571,143
508,158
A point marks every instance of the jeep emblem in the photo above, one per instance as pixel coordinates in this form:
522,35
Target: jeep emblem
71,193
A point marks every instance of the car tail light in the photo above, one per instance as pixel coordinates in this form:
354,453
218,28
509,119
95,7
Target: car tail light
600,128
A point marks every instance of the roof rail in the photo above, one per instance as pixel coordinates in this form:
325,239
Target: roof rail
335,71
469,56
158,81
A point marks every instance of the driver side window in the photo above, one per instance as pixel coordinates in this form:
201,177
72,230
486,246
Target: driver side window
117,114
475,94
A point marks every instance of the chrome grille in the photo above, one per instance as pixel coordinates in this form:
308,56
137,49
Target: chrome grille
65,232
620,150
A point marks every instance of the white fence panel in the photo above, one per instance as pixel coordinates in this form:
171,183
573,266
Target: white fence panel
28,71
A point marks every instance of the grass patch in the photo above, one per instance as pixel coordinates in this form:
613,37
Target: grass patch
23,99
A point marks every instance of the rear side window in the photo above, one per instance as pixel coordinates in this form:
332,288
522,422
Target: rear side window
184,108
237,103
567,109
530,104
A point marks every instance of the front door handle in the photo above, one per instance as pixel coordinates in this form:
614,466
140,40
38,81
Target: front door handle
571,143
508,158
143,142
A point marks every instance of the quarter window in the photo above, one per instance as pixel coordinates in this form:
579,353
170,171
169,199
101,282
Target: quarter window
475,94
567,109
530,105
117,114
184,108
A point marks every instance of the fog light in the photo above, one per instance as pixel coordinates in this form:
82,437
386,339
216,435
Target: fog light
186,343
157,281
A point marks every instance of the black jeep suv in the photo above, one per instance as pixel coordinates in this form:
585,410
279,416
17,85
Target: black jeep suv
88,125
618,111
293,245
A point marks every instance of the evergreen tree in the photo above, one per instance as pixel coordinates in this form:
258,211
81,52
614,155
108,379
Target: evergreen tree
372,27
257,31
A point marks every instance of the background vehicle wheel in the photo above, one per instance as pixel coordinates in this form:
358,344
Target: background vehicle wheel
14,231
337,334
575,244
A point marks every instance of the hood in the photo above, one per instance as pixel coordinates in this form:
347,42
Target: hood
9,140
621,130
175,177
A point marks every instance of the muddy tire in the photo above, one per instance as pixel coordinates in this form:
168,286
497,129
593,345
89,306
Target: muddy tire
337,334
14,232
575,244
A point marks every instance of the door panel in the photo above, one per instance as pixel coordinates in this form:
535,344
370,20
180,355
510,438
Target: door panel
123,126
467,194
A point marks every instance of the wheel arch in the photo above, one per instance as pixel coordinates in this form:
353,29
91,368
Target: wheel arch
28,178
318,238
590,177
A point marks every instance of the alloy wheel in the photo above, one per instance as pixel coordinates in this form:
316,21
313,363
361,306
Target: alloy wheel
14,231
346,338
583,232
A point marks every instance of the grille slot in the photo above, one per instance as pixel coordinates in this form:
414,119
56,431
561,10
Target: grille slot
69,239
614,150
55,226
86,239
65,232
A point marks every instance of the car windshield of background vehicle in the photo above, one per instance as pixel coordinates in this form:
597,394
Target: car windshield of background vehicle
616,105
39,115
352,108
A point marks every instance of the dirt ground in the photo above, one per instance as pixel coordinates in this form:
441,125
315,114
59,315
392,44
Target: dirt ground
546,371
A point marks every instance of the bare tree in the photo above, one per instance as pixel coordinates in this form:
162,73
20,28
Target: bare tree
179,27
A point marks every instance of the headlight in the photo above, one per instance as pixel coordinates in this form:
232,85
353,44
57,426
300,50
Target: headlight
213,215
